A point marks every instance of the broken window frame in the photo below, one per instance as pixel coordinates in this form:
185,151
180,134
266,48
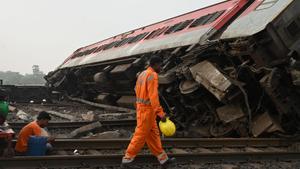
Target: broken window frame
138,37
206,19
157,32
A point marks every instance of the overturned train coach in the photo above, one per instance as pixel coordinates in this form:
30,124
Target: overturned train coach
230,69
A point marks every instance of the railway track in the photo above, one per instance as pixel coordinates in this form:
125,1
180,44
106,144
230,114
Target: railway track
63,144
89,161
212,150
72,125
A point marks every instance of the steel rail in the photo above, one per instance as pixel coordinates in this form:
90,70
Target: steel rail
114,160
64,144
66,125
51,104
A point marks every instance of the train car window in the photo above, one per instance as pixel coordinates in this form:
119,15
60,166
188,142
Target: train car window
120,42
163,30
117,43
183,25
151,34
88,52
98,49
134,39
80,54
85,52
74,56
157,32
138,37
173,28
207,19
110,45
199,21
142,36
214,16
114,44
92,50
123,42
105,45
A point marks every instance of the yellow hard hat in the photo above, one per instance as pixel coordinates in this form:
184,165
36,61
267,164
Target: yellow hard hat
168,128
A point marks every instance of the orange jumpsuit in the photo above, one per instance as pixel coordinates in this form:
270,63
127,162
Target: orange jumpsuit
31,129
148,108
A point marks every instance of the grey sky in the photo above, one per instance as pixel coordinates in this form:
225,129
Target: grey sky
45,32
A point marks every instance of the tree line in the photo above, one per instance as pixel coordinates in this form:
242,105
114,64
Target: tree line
15,78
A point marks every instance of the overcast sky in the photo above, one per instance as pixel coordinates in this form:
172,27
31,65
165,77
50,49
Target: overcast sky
45,32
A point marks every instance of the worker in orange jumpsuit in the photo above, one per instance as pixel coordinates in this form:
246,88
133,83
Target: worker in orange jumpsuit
147,109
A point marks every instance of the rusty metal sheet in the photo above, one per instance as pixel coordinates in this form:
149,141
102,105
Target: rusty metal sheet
261,124
255,21
229,113
275,127
127,101
105,98
121,68
188,86
296,77
211,78
167,77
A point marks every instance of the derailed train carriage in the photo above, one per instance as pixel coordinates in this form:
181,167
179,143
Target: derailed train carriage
230,69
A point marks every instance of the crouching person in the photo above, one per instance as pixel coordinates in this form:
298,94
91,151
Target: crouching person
33,139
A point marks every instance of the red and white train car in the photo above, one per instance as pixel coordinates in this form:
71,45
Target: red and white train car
229,69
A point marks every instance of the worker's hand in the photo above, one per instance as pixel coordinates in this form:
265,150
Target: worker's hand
163,119
9,152
51,139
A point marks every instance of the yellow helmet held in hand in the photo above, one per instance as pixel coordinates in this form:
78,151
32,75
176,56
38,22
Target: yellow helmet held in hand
168,128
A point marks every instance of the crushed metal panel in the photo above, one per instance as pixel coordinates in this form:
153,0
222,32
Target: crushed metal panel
127,101
166,78
296,77
229,113
275,127
100,77
261,124
105,98
188,86
255,21
121,68
211,78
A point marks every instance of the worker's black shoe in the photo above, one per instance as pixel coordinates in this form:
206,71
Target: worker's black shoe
169,164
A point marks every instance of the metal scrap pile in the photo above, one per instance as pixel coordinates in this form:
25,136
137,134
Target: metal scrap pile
213,91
